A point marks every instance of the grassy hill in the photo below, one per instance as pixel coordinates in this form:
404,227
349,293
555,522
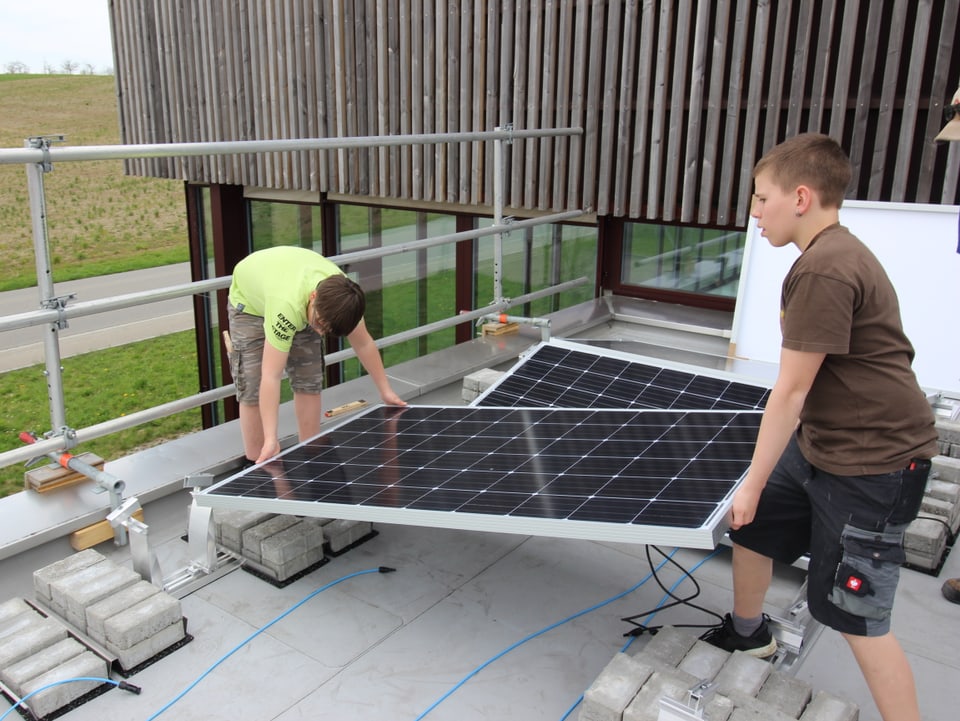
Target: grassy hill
99,220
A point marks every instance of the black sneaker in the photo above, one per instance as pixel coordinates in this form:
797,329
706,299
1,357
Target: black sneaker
760,643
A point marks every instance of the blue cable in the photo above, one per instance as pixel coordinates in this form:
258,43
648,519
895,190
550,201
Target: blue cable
542,631
381,569
122,684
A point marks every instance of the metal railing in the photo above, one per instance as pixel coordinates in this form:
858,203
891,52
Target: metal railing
39,157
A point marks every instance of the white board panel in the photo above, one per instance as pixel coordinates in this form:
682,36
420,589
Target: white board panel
917,245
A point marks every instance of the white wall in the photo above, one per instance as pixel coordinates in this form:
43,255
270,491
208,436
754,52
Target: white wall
917,245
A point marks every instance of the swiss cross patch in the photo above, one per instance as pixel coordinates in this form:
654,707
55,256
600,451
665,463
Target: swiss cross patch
851,580
854,584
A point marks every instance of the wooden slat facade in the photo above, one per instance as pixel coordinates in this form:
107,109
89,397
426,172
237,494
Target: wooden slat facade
677,98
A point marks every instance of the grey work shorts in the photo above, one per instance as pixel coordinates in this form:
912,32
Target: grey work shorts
305,365
852,527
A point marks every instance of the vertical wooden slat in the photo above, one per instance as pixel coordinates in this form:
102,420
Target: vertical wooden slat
729,160
576,172
800,61
712,152
911,102
659,109
531,116
644,108
404,59
465,99
440,104
491,95
629,110
751,122
821,62
416,96
608,125
383,89
452,95
543,181
520,79
429,97
479,104
845,60
393,85
591,135
863,110
507,90
777,74
561,118
678,86
365,50
888,95
692,159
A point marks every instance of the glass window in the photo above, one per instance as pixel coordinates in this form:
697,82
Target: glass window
537,258
274,224
693,260
404,290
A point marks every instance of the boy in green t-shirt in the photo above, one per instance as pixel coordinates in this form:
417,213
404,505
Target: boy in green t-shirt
283,301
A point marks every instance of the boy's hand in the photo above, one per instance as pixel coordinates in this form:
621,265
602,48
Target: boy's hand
392,399
744,506
269,450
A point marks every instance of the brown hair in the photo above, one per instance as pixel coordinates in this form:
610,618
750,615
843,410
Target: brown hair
809,159
339,303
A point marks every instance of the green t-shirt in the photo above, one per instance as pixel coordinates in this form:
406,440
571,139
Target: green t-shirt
276,284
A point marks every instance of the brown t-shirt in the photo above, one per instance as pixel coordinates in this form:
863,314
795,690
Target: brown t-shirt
865,413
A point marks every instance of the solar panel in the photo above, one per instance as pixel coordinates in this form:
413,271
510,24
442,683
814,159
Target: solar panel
567,375
602,474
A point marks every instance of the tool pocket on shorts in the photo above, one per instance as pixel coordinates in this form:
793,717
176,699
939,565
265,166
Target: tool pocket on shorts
868,572
233,356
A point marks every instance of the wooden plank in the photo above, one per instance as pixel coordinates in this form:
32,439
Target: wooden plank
365,58
777,73
479,104
576,176
751,124
678,95
729,160
692,161
429,97
405,89
916,74
52,476
642,103
821,63
452,97
562,116
543,181
711,137
506,92
531,117
608,90
800,62
658,111
942,93
440,104
520,76
845,61
393,86
465,96
99,532
591,144
628,110
861,117
417,61
888,95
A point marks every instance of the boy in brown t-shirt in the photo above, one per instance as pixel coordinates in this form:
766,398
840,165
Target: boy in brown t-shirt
843,450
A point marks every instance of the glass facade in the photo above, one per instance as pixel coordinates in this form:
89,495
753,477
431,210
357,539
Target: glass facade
687,259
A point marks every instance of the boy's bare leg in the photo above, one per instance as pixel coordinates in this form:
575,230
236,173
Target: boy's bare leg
752,573
887,672
252,430
307,408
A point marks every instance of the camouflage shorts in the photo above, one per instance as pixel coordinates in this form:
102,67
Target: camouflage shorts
305,366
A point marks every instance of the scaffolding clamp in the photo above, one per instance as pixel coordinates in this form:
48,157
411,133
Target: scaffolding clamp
692,710
42,143
59,304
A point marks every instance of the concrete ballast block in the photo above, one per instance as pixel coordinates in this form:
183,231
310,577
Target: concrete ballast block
945,468
671,644
11,609
18,675
78,592
230,525
827,707
143,620
132,657
252,538
101,611
85,665
614,689
790,694
30,639
43,577
742,673
704,661
290,543
340,533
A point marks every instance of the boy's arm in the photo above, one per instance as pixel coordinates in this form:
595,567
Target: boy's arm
271,374
369,355
780,417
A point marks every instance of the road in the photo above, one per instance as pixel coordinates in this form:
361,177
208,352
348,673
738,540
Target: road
23,348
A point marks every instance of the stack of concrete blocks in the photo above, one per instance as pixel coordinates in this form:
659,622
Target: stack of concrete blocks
281,546
476,383
36,651
674,661
929,535
130,618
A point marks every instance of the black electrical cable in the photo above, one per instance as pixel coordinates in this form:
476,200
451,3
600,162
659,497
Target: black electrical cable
639,628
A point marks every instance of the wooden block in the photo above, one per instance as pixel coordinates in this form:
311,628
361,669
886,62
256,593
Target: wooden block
97,533
500,328
53,476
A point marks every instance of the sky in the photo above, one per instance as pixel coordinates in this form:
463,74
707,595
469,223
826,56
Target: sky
50,32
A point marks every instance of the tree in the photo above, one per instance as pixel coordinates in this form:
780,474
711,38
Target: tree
16,67
69,66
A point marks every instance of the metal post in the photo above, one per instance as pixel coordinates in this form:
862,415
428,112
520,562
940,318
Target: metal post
498,217
41,251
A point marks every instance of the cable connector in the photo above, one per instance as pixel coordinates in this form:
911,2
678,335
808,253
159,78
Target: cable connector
126,686
386,569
